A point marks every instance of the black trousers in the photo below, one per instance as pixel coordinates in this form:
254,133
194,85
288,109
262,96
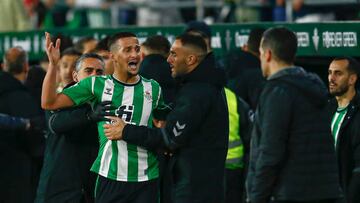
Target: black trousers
235,186
108,190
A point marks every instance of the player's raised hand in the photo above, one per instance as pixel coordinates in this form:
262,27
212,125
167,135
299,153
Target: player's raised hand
53,52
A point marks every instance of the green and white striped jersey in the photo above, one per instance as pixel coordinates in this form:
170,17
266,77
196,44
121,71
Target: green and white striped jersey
134,103
336,122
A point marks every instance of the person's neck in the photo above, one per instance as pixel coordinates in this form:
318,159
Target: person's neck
125,78
253,53
278,66
345,99
20,77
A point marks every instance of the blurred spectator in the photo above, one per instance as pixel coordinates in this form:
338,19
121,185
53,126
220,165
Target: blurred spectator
66,41
67,66
94,13
34,81
127,16
57,13
148,16
13,16
85,44
20,151
44,63
154,52
102,49
244,72
279,11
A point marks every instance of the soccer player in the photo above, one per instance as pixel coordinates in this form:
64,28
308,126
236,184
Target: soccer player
127,173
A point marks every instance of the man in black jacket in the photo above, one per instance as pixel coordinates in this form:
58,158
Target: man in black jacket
71,146
19,150
154,52
345,126
292,157
196,130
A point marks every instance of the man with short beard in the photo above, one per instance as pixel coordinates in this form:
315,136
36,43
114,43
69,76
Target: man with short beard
345,125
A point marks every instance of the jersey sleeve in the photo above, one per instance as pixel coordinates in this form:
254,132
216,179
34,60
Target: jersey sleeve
81,92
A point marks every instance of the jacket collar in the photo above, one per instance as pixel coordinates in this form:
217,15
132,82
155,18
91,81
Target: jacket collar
206,72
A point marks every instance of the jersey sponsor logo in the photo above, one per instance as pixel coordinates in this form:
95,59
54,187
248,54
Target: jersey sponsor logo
125,112
178,129
108,91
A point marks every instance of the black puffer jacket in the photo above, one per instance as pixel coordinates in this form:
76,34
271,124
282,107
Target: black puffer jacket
348,149
197,133
292,151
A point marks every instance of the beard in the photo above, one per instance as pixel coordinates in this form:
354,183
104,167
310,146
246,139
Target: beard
341,90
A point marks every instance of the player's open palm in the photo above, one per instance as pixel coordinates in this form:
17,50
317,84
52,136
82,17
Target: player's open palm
53,52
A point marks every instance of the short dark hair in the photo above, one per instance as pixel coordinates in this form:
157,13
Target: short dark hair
282,42
194,41
14,62
79,45
85,56
70,51
157,44
66,41
200,27
353,66
114,38
102,45
254,40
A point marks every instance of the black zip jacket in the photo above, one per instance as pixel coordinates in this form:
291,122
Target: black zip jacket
348,150
292,154
197,133
71,148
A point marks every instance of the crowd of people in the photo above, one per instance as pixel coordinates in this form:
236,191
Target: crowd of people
119,121
27,15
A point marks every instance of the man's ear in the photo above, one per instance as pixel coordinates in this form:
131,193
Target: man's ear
352,79
26,67
112,57
245,47
74,76
191,59
268,55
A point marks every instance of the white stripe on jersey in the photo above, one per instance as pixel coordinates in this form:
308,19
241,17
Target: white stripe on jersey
334,121
107,94
108,90
122,161
146,112
142,164
93,84
147,104
105,159
127,99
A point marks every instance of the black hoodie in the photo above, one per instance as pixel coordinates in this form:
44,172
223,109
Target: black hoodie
292,154
197,134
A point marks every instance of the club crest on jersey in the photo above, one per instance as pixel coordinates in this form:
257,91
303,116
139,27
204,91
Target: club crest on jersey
147,95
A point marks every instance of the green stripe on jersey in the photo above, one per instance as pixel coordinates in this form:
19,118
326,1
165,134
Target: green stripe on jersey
336,122
118,160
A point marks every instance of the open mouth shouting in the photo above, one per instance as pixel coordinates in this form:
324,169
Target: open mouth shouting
133,65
